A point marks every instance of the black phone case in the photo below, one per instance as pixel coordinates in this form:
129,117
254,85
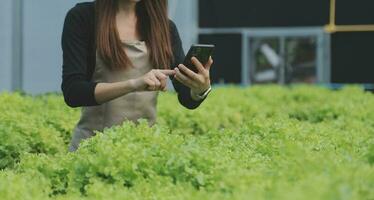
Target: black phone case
201,52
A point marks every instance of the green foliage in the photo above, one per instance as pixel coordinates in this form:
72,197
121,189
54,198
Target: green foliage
251,143
33,125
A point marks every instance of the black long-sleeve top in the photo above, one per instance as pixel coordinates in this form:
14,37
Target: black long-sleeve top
79,59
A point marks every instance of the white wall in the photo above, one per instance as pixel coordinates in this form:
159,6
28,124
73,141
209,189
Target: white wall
42,54
185,14
41,36
5,44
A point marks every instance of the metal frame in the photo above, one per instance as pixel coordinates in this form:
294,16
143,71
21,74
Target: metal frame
17,45
323,46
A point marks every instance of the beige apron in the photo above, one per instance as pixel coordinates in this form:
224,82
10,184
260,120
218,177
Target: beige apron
130,107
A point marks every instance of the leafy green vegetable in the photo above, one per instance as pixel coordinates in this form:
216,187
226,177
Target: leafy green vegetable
243,143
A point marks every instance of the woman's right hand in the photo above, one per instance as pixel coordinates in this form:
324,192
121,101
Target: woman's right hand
155,80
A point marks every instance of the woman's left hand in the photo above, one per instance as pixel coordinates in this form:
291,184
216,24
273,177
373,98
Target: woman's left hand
198,82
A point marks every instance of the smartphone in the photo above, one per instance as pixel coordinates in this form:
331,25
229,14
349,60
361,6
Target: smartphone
202,52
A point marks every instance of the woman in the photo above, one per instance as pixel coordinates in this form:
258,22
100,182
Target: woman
117,55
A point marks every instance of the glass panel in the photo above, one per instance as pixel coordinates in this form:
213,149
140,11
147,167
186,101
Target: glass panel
265,59
301,65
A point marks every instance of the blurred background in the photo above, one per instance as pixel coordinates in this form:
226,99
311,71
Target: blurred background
329,42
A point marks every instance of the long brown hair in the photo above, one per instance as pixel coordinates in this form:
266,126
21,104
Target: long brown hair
153,26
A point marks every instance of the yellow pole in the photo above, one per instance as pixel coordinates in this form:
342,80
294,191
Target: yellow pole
332,12
354,28
333,28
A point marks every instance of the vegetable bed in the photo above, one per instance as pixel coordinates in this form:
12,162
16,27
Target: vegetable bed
264,142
